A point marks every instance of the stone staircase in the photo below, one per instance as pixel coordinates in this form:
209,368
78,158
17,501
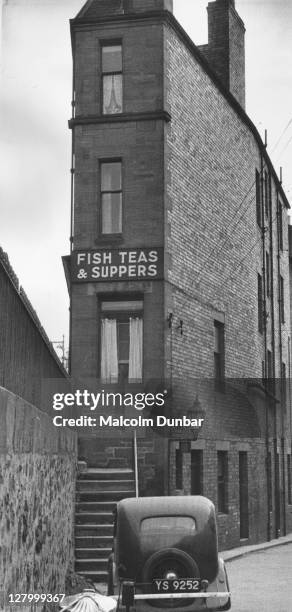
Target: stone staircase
97,492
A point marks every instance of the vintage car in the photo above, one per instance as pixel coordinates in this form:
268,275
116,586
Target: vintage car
165,553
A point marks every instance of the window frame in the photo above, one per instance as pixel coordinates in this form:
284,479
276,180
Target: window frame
222,483
267,193
197,460
118,315
110,235
268,273
280,224
179,468
289,479
110,43
260,303
258,186
282,299
283,384
219,356
270,372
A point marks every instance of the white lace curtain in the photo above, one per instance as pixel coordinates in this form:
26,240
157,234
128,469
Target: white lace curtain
109,350
136,350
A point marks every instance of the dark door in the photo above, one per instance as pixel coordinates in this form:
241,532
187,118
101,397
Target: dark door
243,495
197,472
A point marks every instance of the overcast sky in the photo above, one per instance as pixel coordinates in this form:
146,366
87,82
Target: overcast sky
35,140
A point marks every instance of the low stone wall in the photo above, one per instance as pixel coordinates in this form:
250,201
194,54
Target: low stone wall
37,491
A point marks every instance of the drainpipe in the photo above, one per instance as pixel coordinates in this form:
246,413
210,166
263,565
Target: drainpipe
136,464
272,314
264,308
289,387
277,488
72,171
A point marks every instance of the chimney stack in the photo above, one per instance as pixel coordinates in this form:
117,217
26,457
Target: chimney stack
225,49
137,6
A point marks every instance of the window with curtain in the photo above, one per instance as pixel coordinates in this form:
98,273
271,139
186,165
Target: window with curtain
122,341
112,79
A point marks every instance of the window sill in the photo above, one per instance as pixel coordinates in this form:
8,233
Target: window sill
109,239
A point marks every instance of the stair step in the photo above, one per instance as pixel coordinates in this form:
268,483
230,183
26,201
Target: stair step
91,565
93,541
92,553
98,490
92,529
106,474
89,495
98,518
95,576
104,485
88,506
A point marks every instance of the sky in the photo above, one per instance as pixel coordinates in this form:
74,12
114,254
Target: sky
35,142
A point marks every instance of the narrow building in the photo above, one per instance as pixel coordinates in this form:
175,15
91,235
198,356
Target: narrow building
179,270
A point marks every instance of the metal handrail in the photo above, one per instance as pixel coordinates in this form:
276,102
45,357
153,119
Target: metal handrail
136,475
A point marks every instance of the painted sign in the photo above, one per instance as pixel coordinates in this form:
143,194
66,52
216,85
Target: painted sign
93,266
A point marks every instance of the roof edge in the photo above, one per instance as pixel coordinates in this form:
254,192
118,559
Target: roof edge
168,18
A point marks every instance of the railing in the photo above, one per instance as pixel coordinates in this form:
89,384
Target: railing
136,474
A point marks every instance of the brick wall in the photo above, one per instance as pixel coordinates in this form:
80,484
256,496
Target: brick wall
37,490
225,49
189,185
214,251
212,238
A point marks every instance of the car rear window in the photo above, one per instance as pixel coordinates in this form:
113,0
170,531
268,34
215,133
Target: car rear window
162,531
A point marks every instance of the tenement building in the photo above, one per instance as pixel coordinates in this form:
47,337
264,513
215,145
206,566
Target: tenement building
179,268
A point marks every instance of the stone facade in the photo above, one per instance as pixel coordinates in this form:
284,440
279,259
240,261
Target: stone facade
37,494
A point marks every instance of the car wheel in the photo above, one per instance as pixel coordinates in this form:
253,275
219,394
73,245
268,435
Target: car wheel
170,559
170,562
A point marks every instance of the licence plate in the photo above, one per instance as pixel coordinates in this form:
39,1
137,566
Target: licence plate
181,585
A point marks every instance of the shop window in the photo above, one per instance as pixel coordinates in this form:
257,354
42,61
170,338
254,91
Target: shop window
219,355
112,79
111,197
122,341
222,481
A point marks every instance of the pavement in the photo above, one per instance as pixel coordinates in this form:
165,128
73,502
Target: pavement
233,553
241,551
